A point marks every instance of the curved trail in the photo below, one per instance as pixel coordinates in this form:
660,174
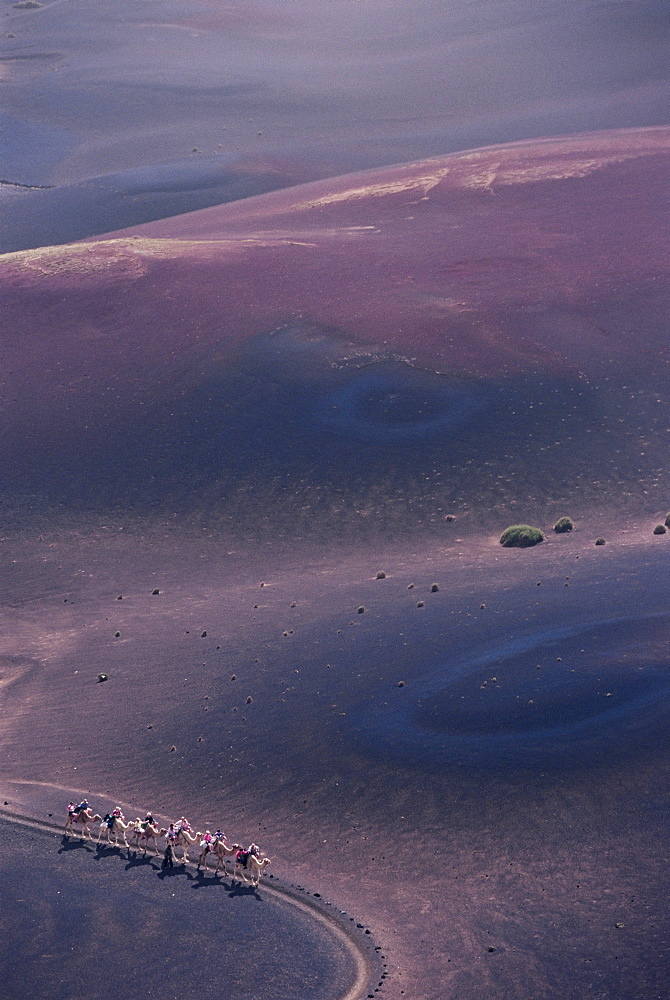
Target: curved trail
365,975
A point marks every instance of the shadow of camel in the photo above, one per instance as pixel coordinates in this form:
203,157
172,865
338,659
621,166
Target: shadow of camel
107,851
239,889
140,861
67,844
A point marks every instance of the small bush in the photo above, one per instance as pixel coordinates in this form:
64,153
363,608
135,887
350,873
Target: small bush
660,529
564,524
521,536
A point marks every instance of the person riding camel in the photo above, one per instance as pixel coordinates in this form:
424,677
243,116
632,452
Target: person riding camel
243,856
147,821
82,807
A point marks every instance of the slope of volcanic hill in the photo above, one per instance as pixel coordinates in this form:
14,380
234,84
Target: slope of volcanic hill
463,326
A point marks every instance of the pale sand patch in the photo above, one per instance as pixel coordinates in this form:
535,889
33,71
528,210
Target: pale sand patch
424,183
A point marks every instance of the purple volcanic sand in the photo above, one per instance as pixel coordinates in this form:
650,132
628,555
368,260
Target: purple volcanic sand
295,391
78,918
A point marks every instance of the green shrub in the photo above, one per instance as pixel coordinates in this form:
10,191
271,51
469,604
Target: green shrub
521,536
564,524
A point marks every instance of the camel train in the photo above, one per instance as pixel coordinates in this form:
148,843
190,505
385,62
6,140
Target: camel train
247,865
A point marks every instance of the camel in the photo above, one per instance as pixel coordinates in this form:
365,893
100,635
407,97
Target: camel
83,818
143,833
221,850
114,825
255,866
185,838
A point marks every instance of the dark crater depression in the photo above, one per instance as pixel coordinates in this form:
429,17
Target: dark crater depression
569,698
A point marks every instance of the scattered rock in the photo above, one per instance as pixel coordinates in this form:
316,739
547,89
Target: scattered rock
401,684
521,536
381,575
420,604
434,589
660,529
120,597
172,749
619,925
203,635
295,604
599,541
101,678
234,677
482,606
410,586
564,524
117,635
361,610
263,584
249,700
667,520
154,592
450,517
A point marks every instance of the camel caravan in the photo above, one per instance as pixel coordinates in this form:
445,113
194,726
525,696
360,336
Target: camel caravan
247,864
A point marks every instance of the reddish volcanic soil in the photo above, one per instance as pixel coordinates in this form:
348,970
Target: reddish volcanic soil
254,410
